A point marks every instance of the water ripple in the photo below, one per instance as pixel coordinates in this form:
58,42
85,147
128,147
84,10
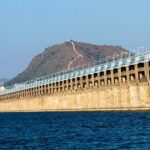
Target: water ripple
75,131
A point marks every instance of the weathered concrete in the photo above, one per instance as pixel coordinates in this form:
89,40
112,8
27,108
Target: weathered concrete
105,98
125,88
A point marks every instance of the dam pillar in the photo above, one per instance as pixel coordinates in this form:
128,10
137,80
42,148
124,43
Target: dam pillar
63,86
81,83
98,78
54,87
147,71
92,80
116,77
42,90
84,82
102,78
136,73
87,82
76,84
127,74
36,91
58,87
39,90
49,88
105,78
46,89
68,85
71,85
24,93
112,77
31,92
119,75
27,93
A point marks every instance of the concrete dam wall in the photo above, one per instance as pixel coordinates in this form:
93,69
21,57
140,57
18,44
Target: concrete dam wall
121,87
119,97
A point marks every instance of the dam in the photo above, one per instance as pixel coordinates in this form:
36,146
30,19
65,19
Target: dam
122,84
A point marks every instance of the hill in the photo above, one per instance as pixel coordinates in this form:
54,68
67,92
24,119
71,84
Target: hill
67,55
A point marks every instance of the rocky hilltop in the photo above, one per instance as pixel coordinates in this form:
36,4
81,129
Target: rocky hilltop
67,55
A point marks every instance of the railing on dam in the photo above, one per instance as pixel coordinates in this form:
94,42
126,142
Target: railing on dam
101,69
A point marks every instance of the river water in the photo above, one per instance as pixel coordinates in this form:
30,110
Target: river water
75,131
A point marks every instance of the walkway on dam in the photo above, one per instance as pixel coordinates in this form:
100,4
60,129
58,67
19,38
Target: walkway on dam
75,74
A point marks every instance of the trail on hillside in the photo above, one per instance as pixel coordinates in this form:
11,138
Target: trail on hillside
77,53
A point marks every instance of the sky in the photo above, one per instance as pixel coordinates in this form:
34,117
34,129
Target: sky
27,27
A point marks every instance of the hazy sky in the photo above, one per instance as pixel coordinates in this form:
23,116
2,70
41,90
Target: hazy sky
29,26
